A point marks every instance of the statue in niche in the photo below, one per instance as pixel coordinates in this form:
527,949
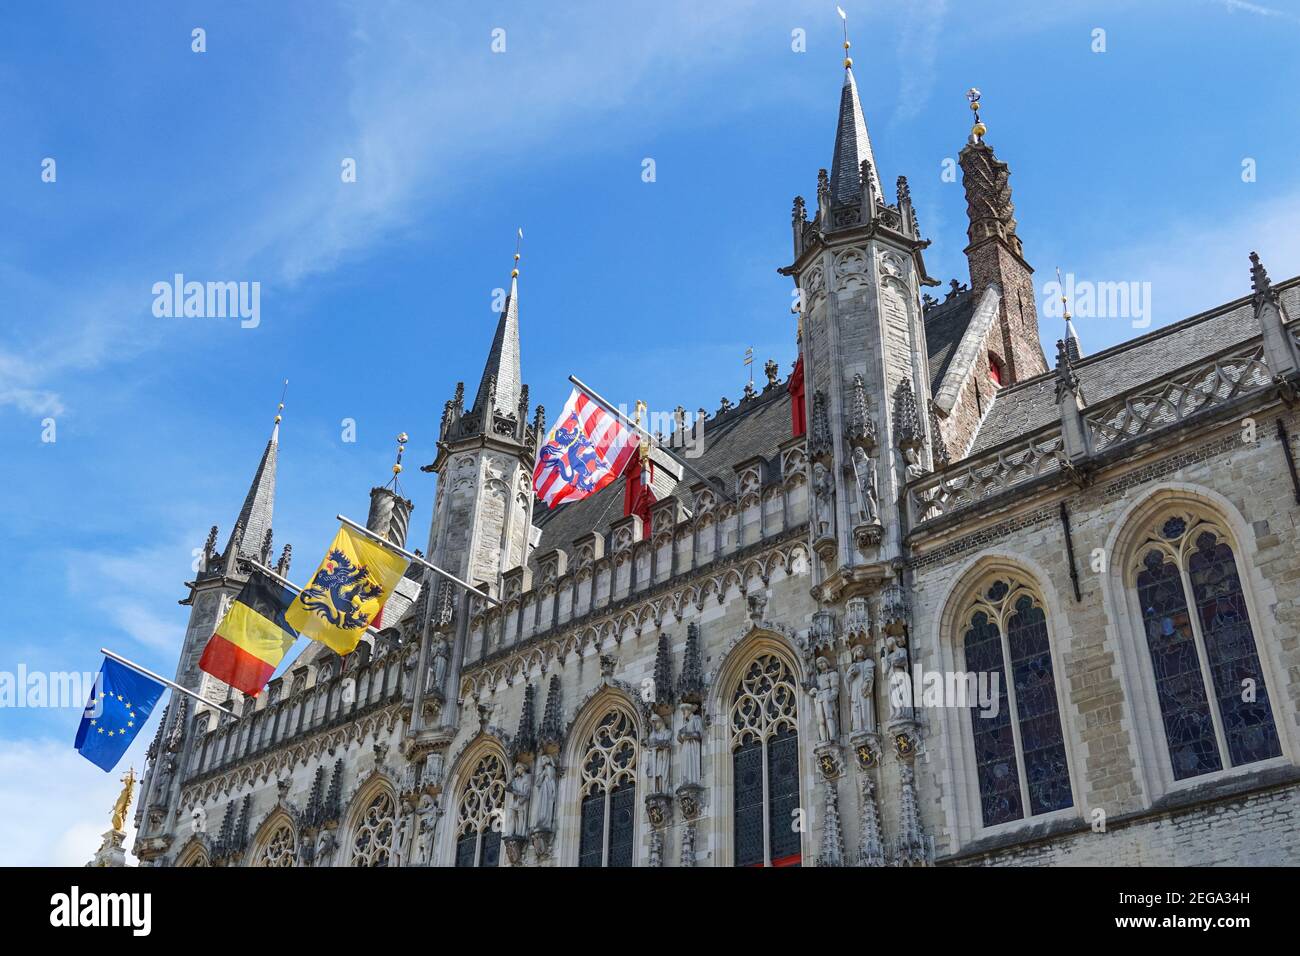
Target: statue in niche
324,847
517,794
861,678
427,812
437,666
914,467
826,700
544,797
658,749
900,685
823,489
691,738
864,470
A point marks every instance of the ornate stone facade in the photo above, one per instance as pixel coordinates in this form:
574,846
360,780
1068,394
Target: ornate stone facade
762,674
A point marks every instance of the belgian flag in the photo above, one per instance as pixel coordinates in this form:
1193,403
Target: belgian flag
253,637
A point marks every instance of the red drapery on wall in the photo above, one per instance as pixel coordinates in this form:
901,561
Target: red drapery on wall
638,497
798,417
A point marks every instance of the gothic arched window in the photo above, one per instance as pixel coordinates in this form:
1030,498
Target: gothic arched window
1209,683
765,763
608,791
1019,747
478,817
372,842
278,849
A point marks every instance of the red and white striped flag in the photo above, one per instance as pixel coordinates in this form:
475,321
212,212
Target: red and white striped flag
585,450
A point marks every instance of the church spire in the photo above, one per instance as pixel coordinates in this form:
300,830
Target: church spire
500,387
254,522
852,144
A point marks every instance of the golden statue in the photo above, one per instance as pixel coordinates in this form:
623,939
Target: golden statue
123,801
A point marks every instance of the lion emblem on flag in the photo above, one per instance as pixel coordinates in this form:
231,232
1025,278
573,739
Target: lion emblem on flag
335,592
572,453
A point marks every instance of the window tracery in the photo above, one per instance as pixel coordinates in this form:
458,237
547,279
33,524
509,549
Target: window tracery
765,764
478,816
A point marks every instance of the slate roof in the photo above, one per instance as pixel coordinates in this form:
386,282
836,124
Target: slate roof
945,324
750,429
1031,404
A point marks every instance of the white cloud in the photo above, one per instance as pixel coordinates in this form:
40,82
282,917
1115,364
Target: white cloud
55,805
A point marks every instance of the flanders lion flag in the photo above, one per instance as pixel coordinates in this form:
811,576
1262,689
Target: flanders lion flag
347,592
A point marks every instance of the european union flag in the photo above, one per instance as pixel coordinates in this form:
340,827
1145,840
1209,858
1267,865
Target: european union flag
119,705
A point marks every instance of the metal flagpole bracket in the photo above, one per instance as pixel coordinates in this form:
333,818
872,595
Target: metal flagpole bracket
163,680
360,529
609,407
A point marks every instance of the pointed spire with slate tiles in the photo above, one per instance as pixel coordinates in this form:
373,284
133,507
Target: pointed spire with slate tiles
253,527
852,144
500,386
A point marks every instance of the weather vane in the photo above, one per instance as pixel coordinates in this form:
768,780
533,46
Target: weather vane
844,20
979,129
519,239
402,439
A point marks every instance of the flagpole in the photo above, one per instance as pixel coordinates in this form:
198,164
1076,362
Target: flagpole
163,680
592,393
360,529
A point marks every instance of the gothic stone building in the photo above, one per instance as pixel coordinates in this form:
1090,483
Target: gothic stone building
1110,543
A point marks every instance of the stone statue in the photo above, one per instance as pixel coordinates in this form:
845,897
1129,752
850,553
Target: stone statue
427,811
324,847
124,801
691,738
900,687
864,470
824,491
861,677
826,700
544,799
914,467
437,666
658,748
517,794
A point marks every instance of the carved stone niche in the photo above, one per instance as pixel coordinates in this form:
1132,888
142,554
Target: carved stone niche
857,619
895,611
866,749
821,635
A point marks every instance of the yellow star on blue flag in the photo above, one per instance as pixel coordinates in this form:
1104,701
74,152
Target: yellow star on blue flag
119,705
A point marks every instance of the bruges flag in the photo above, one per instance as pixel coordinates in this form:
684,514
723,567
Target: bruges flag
253,637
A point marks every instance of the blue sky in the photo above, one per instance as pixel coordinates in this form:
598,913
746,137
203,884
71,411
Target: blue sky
376,295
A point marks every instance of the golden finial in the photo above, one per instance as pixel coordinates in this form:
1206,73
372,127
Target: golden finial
279,408
844,19
1065,302
514,273
401,447
979,129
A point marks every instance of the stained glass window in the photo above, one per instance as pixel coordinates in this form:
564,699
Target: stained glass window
478,818
608,788
1019,745
1214,702
765,765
